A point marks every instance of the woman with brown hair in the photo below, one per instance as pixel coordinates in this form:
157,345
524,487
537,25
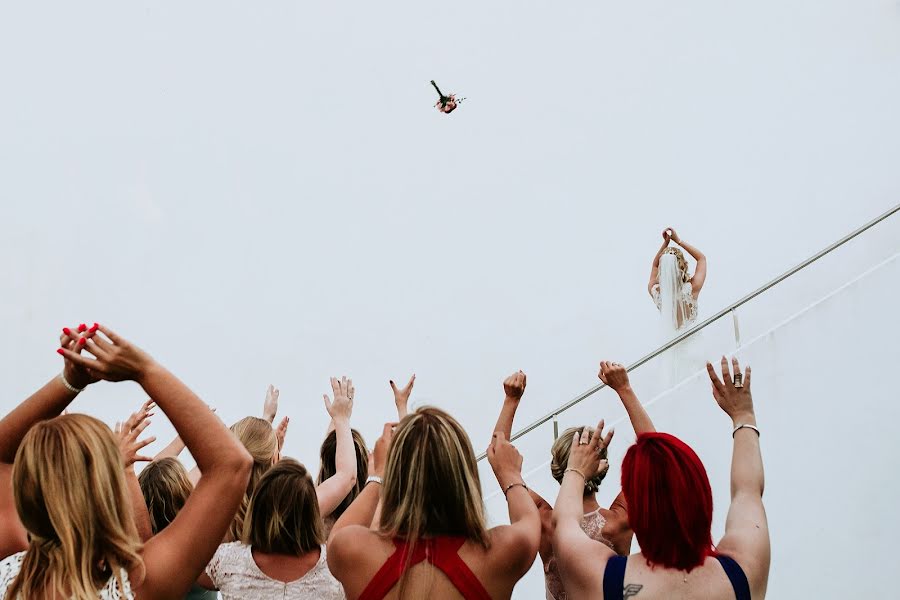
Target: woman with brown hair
71,496
431,539
282,549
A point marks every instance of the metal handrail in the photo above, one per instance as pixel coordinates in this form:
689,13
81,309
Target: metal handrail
702,325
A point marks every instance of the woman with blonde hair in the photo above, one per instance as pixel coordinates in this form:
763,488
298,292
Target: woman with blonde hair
674,290
670,509
608,526
282,549
431,539
70,491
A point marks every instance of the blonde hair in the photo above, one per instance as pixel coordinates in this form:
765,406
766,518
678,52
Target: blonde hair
165,487
559,459
69,487
431,484
682,262
259,439
283,517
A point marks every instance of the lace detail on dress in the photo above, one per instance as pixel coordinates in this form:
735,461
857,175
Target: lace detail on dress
592,524
687,305
237,576
10,566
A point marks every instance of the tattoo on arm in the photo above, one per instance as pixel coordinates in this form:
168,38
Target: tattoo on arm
631,590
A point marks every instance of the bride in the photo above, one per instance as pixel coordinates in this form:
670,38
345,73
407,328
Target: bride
674,290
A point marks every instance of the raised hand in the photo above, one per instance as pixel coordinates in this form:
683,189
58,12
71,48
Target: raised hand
401,396
379,455
614,375
343,390
667,235
116,359
732,396
281,432
75,374
270,405
584,455
673,235
514,386
128,433
505,460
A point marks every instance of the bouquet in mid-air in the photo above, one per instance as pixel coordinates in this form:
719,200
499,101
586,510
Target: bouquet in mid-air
446,104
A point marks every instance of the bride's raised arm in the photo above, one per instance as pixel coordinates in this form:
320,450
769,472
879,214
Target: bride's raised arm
699,277
654,268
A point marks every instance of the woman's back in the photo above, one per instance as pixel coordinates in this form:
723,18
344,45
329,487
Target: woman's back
10,566
443,567
718,578
237,574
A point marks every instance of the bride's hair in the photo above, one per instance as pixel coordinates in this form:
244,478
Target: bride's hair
682,262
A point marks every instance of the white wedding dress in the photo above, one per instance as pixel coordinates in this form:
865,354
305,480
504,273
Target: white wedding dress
678,309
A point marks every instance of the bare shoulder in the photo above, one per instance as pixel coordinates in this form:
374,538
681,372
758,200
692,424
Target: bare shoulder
356,546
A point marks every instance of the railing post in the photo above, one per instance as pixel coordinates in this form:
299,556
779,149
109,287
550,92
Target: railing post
737,329
555,429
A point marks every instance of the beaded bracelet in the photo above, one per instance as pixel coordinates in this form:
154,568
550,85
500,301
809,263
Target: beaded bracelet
69,386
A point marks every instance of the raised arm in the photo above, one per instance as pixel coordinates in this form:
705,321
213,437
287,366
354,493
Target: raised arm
172,450
616,376
581,560
523,535
746,536
51,399
699,277
130,446
270,404
401,396
654,267
46,403
513,388
333,490
177,555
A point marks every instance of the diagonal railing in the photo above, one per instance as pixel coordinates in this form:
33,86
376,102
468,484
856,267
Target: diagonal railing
702,325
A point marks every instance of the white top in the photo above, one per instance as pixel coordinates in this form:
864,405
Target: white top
237,576
687,306
9,569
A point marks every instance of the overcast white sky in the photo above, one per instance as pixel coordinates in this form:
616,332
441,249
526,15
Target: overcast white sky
263,192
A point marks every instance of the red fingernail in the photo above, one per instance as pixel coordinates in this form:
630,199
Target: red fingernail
94,328
60,352
67,331
82,341
82,327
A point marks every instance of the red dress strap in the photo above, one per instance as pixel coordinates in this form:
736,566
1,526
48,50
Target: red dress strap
442,553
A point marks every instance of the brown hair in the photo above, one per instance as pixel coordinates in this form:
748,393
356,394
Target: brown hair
166,487
258,437
69,486
328,467
559,460
283,517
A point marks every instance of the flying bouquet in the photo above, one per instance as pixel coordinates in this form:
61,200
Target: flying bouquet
446,104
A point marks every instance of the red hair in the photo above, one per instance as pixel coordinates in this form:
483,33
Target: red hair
669,501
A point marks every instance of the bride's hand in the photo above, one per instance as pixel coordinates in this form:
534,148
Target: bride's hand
673,235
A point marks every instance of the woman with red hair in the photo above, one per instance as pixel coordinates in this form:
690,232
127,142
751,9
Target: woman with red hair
670,511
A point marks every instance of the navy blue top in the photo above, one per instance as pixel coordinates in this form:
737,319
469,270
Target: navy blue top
614,578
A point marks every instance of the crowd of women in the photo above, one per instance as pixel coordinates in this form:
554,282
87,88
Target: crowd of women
405,520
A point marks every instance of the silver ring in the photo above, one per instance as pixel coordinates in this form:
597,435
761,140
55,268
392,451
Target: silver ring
738,380
583,443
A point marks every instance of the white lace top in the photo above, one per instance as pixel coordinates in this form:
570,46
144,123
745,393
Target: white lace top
687,304
237,576
10,566
592,524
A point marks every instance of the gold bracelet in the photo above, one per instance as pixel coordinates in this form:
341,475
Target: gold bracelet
574,470
512,485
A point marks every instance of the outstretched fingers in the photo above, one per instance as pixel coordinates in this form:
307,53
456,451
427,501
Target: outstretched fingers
718,386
